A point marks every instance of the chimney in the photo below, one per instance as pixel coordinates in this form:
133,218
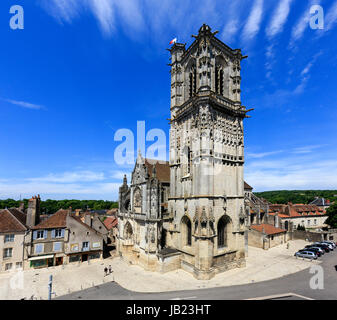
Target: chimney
33,211
22,207
88,219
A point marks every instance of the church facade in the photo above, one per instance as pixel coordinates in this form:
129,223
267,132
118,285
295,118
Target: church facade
189,212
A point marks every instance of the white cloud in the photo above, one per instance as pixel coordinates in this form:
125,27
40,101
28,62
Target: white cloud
71,177
253,23
279,18
78,184
24,104
56,190
297,172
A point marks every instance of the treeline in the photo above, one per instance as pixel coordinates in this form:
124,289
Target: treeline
297,196
51,206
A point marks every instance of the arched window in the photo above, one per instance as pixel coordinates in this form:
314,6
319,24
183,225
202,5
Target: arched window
186,231
128,232
222,231
137,201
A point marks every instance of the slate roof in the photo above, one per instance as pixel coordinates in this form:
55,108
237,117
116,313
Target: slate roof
10,222
268,229
321,202
247,186
18,215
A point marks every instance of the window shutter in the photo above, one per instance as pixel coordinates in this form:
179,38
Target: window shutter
53,233
62,233
34,235
45,234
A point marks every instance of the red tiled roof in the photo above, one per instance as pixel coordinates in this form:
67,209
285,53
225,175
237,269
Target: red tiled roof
268,229
9,222
295,210
162,169
110,222
57,220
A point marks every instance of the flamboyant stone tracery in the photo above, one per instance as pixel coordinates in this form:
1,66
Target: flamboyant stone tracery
189,210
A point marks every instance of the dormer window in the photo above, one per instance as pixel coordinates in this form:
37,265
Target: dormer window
40,234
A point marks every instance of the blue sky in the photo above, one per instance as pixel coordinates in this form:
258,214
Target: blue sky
82,69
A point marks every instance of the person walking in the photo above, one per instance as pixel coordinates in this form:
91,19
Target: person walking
105,271
110,269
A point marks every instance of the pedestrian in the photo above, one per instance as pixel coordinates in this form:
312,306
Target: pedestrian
105,271
110,269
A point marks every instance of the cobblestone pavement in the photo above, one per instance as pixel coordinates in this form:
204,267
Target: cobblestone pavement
261,266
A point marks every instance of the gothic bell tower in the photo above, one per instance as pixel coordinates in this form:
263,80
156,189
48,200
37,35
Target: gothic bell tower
206,204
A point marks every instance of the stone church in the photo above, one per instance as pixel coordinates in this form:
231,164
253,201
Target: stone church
189,212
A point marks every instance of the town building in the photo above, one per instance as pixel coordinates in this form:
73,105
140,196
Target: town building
201,226
12,233
61,239
290,216
266,236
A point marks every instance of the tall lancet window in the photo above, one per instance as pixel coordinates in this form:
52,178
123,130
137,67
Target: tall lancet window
223,225
219,80
186,231
192,80
189,160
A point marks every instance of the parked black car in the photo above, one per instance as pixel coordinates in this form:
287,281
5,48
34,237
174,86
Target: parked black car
323,246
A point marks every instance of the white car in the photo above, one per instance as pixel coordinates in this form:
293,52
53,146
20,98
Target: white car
330,246
330,242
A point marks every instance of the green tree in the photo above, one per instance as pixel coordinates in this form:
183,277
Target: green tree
332,216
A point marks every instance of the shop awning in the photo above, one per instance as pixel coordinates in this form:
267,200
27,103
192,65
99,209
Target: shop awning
41,257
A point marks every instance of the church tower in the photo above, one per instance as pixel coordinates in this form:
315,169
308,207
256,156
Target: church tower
206,204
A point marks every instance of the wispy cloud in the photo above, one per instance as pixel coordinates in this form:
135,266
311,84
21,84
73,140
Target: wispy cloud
104,12
331,17
305,73
279,18
302,23
24,104
307,149
253,23
62,10
262,154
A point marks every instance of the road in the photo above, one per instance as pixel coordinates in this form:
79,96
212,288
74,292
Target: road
297,283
